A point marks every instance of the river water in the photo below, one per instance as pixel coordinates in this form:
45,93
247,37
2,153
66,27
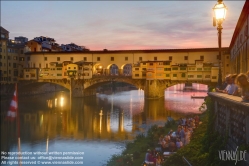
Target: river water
98,126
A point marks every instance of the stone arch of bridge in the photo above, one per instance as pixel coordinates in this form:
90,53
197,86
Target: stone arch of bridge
126,69
91,84
98,69
47,85
113,69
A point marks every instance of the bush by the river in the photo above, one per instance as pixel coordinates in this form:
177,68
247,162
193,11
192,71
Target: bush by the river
134,153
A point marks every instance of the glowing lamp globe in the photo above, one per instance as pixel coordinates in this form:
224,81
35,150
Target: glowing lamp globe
220,11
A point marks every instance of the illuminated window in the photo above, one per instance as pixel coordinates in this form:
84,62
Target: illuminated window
174,68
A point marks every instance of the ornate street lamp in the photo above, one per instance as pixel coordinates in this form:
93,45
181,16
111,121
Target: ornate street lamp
220,11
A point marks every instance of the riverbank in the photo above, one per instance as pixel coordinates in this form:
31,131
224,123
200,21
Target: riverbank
134,152
205,145
202,149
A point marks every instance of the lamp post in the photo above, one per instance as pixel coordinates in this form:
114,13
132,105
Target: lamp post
219,16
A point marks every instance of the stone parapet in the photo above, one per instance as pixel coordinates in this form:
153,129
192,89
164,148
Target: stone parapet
232,118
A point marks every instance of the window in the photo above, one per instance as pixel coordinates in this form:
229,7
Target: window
71,58
28,58
207,76
155,58
58,58
39,65
0,63
14,65
158,74
151,64
112,58
190,76
166,63
144,69
126,58
167,69
15,73
207,68
167,75
174,68
214,77
59,68
136,68
174,75
227,57
32,75
9,71
21,51
33,65
21,59
27,76
4,72
184,75
140,58
227,65
143,75
59,74
136,75
199,76
144,63
0,56
9,64
185,57
170,58
85,58
218,57
182,68
9,57
98,58
202,57
199,69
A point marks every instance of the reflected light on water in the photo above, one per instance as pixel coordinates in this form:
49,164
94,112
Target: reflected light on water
97,123
62,102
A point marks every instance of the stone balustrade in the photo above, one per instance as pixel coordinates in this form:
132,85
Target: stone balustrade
232,118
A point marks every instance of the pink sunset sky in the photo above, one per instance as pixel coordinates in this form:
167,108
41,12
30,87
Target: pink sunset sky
121,25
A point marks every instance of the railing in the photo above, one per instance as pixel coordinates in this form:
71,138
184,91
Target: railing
232,118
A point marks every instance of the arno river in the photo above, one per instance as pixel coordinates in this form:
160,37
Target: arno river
98,126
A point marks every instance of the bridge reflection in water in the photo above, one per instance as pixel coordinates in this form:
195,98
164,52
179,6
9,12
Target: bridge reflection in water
47,119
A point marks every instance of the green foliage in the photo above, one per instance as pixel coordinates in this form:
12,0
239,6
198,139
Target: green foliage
205,144
140,145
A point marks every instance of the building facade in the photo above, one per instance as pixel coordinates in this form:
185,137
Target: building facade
11,58
239,46
172,64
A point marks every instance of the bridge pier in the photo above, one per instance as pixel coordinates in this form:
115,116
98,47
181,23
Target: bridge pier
154,89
